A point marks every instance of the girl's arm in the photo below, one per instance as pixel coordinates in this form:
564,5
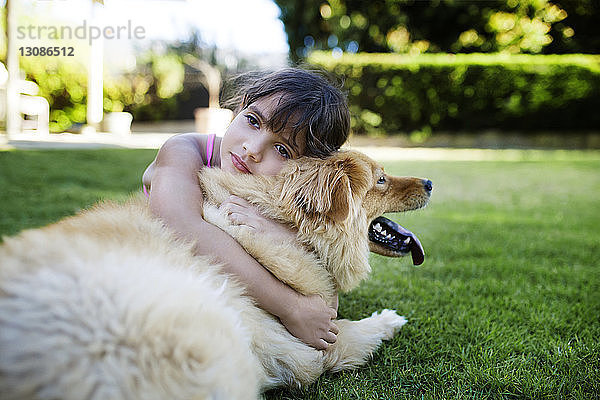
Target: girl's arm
176,197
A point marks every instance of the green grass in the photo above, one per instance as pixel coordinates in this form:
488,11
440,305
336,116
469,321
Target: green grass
39,187
507,304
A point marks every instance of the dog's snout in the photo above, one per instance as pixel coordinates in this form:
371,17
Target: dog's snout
428,185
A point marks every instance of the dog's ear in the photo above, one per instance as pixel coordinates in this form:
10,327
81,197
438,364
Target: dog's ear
358,171
326,187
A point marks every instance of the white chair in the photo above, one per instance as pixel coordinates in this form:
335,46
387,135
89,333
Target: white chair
34,110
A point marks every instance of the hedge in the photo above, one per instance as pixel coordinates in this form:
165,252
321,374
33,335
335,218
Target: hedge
393,93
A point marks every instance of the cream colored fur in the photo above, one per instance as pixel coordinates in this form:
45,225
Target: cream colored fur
108,304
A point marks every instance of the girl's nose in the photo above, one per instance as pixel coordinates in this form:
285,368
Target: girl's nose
253,148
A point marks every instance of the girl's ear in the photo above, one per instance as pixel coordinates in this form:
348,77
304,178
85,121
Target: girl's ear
326,187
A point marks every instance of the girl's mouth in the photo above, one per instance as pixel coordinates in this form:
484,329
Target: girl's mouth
239,164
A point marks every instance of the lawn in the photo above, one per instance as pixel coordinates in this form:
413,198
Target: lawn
507,304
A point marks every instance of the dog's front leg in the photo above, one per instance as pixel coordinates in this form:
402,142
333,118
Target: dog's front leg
357,340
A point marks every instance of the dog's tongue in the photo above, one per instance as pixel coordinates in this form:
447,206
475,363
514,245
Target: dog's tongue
416,249
402,241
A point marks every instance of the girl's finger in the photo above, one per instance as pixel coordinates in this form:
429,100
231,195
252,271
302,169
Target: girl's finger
237,218
332,313
239,201
235,208
330,337
322,345
334,329
241,219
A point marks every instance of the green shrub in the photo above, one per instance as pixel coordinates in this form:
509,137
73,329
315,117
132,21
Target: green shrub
401,93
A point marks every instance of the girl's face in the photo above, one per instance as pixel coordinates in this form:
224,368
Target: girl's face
249,147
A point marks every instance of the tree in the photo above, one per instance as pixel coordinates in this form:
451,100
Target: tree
579,32
412,26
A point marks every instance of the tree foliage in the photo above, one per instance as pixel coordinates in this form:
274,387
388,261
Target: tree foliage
417,26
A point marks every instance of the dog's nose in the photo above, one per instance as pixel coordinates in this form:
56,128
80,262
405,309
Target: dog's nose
428,185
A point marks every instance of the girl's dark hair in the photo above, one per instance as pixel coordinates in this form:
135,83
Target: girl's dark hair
308,100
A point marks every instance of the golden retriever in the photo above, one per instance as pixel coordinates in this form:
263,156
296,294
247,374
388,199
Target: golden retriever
108,304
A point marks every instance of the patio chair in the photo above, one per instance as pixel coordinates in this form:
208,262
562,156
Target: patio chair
34,110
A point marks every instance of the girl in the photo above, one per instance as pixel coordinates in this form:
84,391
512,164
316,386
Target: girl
280,116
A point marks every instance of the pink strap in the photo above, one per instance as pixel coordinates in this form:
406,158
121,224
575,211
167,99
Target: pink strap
210,143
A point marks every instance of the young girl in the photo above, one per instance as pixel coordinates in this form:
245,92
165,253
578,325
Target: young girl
280,116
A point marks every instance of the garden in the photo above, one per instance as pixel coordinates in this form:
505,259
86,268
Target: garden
507,303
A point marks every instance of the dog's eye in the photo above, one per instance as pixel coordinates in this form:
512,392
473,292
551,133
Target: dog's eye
381,180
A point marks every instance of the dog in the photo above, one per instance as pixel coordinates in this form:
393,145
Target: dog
110,304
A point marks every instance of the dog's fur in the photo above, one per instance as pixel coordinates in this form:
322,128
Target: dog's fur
109,304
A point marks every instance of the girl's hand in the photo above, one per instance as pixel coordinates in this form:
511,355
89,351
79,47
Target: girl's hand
311,320
242,212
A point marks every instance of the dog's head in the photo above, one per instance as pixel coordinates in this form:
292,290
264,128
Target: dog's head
338,205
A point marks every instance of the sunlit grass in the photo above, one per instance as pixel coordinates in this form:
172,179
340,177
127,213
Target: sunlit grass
506,305
39,187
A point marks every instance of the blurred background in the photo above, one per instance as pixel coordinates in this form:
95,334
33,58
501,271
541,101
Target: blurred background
496,73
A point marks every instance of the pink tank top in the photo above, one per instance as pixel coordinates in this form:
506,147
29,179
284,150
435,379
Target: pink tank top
210,144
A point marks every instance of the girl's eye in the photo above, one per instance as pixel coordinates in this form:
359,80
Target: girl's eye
381,180
283,152
253,121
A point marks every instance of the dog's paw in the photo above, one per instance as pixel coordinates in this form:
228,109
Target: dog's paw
390,322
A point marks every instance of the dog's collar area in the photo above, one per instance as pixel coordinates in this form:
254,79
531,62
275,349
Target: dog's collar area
396,239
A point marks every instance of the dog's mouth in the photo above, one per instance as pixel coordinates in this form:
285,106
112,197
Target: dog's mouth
390,239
